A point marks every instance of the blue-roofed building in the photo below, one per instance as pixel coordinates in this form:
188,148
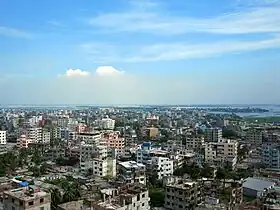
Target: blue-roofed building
256,187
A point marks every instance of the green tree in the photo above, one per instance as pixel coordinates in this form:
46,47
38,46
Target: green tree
157,196
56,198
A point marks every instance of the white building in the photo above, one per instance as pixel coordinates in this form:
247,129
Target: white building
3,137
163,166
107,124
46,137
23,142
33,133
194,142
103,168
132,172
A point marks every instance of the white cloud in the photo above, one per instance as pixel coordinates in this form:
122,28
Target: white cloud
179,51
5,31
257,18
76,72
108,71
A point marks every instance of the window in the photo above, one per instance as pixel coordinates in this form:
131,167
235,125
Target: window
13,208
143,204
31,203
42,208
20,203
143,196
13,200
42,200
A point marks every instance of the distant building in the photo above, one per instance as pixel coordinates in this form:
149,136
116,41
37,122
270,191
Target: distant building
29,198
163,166
213,135
132,172
23,142
271,155
3,137
254,137
106,124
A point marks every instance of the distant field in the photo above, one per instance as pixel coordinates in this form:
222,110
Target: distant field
270,119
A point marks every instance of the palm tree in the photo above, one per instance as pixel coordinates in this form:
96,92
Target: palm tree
56,198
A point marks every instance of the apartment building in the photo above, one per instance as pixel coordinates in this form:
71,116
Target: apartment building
30,198
3,137
89,138
106,124
33,133
271,155
163,166
224,150
56,133
254,137
128,197
46,137
132,172
23,141
104,168
90,151
113,140
182,194
193,142
213,135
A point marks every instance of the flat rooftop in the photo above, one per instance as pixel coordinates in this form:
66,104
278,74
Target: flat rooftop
131,164
23,194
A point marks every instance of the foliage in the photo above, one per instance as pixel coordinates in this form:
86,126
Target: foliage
157,196
230,134
194,171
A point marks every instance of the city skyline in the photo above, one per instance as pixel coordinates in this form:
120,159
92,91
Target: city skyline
140,52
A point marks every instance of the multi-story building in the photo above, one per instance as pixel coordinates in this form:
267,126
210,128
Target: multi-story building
56,133
46,137
106,124
128,197
89,138
132,172
23,142
145,154
193,142
271,155
224,150
30,198
104,168
163,166
113,140
182,194
33,133
3,136
254,137
213,135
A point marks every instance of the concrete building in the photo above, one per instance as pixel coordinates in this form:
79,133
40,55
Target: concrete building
213,135
254,137
104,168
46,137
33,133
193,142
271,155
182,194
128,197
132,172
163,166
30,198
3,137
106,124
224,150
113,140
89,138
23,142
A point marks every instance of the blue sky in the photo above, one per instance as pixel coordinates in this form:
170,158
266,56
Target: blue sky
139,51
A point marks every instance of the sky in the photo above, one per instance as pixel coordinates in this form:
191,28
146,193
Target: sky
140,52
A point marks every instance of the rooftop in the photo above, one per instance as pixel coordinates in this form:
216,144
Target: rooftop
26,193
257,184
131,164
